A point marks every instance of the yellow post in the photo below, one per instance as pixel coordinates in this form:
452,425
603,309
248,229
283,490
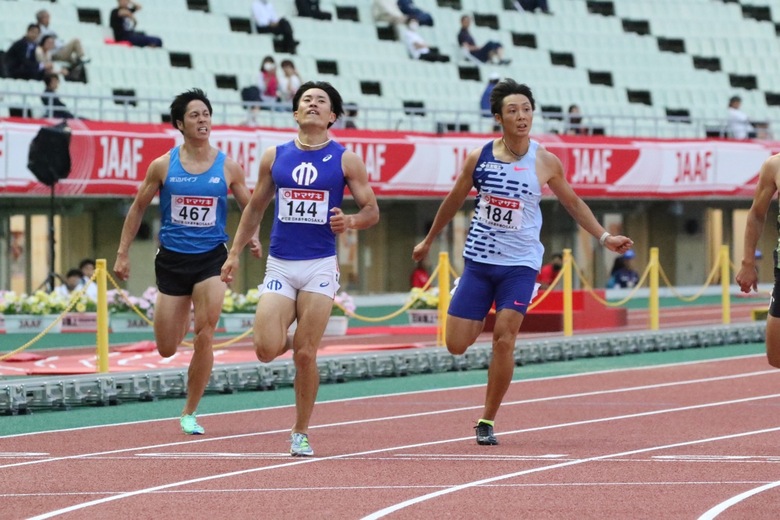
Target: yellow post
568,307
725,281
102,316
444,297
653,300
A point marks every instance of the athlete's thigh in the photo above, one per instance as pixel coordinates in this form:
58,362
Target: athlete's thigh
474,293
207,298
171,321
275,313
313,310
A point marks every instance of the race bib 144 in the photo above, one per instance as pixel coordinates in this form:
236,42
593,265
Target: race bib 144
303,206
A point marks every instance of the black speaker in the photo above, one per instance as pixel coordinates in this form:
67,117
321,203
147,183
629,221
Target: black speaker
49,155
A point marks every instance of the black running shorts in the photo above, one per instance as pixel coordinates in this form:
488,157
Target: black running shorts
177,273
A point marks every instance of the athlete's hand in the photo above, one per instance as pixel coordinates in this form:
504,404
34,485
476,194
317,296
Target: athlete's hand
228,268
747,278
420,251
339,222
618,243
256,247
122,267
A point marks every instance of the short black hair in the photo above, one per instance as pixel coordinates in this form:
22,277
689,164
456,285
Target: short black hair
86,261
180,102
336,104
74,272
507,87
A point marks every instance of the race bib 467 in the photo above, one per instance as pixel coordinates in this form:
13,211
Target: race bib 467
194,211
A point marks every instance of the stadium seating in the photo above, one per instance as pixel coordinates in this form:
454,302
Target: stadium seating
629,64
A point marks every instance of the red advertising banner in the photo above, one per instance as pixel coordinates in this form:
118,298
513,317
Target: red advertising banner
111,159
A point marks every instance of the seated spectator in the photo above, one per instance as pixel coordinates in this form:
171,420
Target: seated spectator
549,271
21,60
738,125
44,54
71,52
87,268
623,274
416,46
350,115
408,8
532,5
492,51
122,21
386,11
267,21
268,83
289,83
73,282
311,9
573,125
484,102
55,108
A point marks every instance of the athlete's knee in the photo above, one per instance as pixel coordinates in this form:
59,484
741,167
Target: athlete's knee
773,355
166,349
458,345
305,357
266,352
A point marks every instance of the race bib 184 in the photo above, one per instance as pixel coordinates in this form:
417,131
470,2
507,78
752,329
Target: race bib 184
303,206
500,212
194,211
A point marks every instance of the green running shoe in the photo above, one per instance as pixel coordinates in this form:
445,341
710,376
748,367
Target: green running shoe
299,445
190,426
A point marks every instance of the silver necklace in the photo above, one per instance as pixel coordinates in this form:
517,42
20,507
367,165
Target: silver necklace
519,156
302,145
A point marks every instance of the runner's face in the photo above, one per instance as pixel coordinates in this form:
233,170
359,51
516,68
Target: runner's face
314,107
197,120
517,115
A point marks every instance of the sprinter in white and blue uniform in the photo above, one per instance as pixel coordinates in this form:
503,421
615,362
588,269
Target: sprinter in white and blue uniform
193,182
503,253
307,176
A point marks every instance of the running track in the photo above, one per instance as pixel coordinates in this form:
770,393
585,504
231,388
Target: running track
693,440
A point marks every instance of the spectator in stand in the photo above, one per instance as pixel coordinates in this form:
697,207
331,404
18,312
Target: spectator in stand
72,284
44,54
573,124
417,47
311,9
623,274
289,83
492,51
72,51
386,11
549,271
738,125
350,115
268,82
408,8
87,268
532,5
267,21
55,108
122,21
484,103
419,276
20,57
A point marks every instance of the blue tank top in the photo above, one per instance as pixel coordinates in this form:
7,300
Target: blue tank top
507,220
193,207
309,183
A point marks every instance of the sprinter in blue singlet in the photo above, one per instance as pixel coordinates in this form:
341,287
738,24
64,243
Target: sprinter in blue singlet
193,181
503,253
307,176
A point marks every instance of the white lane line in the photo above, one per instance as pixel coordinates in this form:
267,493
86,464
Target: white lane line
85,505
410,416
718,509
402,505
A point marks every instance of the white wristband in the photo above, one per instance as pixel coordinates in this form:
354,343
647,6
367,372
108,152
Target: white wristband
604,237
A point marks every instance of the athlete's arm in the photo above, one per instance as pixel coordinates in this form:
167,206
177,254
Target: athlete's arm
236,179
768,177
155,176
356,177
450,205
252,214
552,173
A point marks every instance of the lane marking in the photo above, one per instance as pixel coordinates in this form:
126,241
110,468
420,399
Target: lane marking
410,416
402,505
414,392
422,498
718,509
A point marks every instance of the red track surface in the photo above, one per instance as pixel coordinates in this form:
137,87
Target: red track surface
666,442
